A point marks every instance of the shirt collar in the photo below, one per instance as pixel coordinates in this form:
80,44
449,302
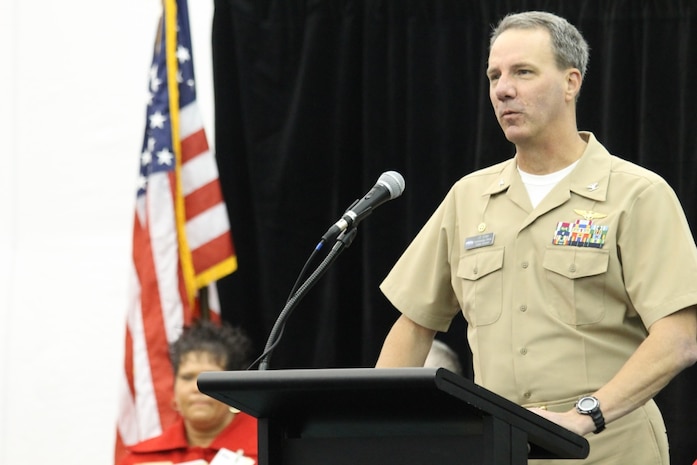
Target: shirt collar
589,178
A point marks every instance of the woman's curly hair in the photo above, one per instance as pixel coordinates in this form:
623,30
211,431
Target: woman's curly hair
229,346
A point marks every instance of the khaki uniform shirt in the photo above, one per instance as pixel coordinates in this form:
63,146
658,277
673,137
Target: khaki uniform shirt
557,297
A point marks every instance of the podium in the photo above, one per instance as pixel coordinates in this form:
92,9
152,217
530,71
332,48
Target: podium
382,416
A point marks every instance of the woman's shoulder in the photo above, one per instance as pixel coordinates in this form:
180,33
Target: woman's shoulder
171,438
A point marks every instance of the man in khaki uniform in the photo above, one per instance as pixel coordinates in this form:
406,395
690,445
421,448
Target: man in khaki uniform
576,270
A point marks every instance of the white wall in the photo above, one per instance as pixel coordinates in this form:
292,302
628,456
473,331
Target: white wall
73,81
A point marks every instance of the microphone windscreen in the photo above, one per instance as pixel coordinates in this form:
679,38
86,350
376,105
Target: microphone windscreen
393,181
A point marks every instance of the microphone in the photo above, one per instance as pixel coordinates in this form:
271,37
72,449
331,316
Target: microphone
390,185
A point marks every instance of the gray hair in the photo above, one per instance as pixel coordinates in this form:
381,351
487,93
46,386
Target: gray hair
442,355
568,45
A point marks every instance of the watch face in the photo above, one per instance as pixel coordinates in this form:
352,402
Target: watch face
587,404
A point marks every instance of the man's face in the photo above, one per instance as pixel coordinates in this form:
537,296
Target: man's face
528,91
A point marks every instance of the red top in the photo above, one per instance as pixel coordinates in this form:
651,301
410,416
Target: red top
172,446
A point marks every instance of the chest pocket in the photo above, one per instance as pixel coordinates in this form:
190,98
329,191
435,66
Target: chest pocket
481,281
577,283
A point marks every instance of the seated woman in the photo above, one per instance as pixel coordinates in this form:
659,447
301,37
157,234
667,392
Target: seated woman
206,427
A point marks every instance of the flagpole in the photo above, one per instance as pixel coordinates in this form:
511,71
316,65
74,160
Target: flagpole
203,303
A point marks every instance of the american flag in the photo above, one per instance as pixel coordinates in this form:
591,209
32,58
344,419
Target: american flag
181,236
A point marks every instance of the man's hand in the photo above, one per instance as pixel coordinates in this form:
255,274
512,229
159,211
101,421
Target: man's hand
571,420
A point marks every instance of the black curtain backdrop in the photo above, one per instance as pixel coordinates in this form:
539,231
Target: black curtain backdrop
316,98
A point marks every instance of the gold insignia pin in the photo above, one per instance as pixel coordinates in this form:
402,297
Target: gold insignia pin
589,214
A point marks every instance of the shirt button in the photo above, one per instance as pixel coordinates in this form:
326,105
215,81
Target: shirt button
526,395
572,268
524,264
523,351
475,270
523,308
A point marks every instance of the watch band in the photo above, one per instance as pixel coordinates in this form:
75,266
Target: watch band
598,420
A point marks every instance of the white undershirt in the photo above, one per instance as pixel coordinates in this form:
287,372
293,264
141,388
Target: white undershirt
538,186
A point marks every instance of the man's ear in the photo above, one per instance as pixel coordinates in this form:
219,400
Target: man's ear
573,83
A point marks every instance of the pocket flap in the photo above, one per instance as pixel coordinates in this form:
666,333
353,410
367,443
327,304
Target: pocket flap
574,262
473,266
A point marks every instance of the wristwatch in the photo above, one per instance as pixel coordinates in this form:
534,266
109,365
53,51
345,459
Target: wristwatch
589,405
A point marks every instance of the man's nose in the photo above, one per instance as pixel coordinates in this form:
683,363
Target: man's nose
504,88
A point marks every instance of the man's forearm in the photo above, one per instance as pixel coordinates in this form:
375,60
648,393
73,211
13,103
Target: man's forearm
670,348
407,344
